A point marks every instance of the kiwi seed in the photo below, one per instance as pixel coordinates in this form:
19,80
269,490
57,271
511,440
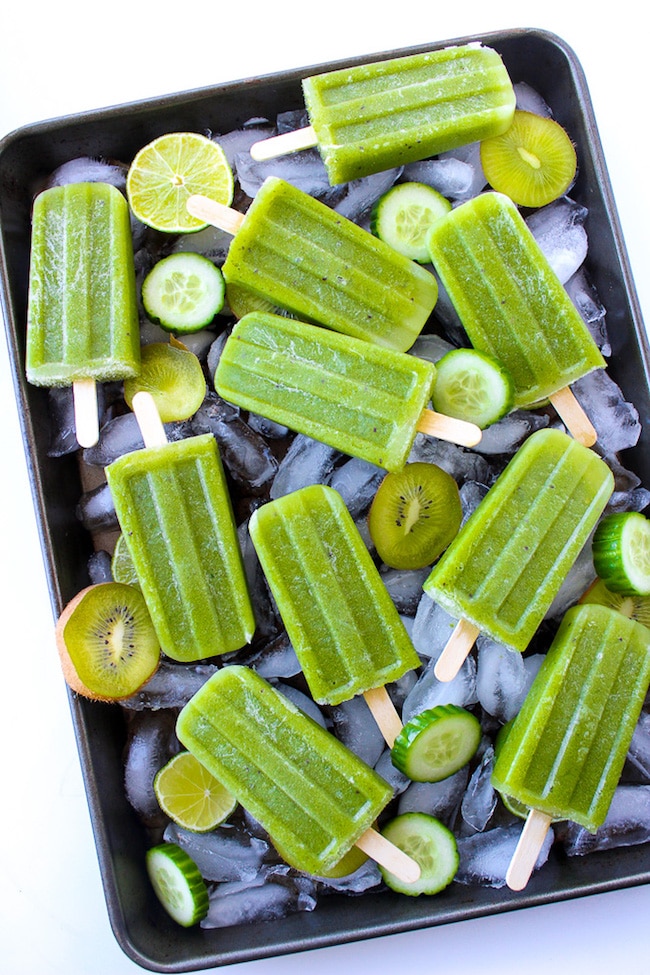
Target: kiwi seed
106,641
414,515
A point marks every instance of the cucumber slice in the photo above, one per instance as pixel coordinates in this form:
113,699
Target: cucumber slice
621,553
436,743
179,886
430,844
473,385
183,292
403,216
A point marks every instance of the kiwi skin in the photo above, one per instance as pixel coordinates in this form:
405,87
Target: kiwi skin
70,673
414,515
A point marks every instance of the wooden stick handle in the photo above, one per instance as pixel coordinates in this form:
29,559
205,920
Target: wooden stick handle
223,217
384,713
528,849
574,417
86,417
282,145
148,417
449,428
456,650
388,855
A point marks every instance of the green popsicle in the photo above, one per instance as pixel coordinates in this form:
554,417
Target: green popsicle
503,569
371,117
313,796
512,304
565,752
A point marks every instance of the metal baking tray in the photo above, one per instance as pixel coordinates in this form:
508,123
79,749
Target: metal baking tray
141,927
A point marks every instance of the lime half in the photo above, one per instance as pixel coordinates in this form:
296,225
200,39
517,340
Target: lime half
191,796
172,168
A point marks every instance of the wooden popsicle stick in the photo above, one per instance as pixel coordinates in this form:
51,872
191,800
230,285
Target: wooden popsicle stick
384,713
86,417
151,426
449,428
456,650
574,417
528,849
385,853
223,217
282,145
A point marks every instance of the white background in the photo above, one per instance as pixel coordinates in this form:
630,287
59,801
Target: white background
70,57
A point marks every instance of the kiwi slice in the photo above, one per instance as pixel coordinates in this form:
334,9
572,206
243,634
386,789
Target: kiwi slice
106,641
534,162
174,377
634,607
414,515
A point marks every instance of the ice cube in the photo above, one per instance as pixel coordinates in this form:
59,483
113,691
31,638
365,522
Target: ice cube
303,701
99,567
366,877
432,627
439,799
559,230
212,242
265,899
500,679
305,170
471,155
507,435
480,799
485,857
171,686
627,824
396,779
226,853
151,742
584,296
96,510
245,454
63,437
530,100
431,347
638,757
429,691
450,176
463,465
307,461
357,481
240,140
615,419
405,587
362,194
354,724
121,434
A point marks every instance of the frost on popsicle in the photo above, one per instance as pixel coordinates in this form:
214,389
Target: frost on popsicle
265,460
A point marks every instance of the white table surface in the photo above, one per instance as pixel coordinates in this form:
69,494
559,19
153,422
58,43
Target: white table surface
69,57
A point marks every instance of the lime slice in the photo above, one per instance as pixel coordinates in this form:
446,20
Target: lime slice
621,552
122,567
191,796
172,168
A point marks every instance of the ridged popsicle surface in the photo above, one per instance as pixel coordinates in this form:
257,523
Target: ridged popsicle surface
508,561
342,623
312,795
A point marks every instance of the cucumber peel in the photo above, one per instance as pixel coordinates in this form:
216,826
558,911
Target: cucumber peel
436,743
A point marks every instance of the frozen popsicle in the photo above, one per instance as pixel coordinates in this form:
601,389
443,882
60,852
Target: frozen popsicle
342,623
174,510
305,258
372,117
364,400
314,797
503,569
565,752
512,304
82,317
